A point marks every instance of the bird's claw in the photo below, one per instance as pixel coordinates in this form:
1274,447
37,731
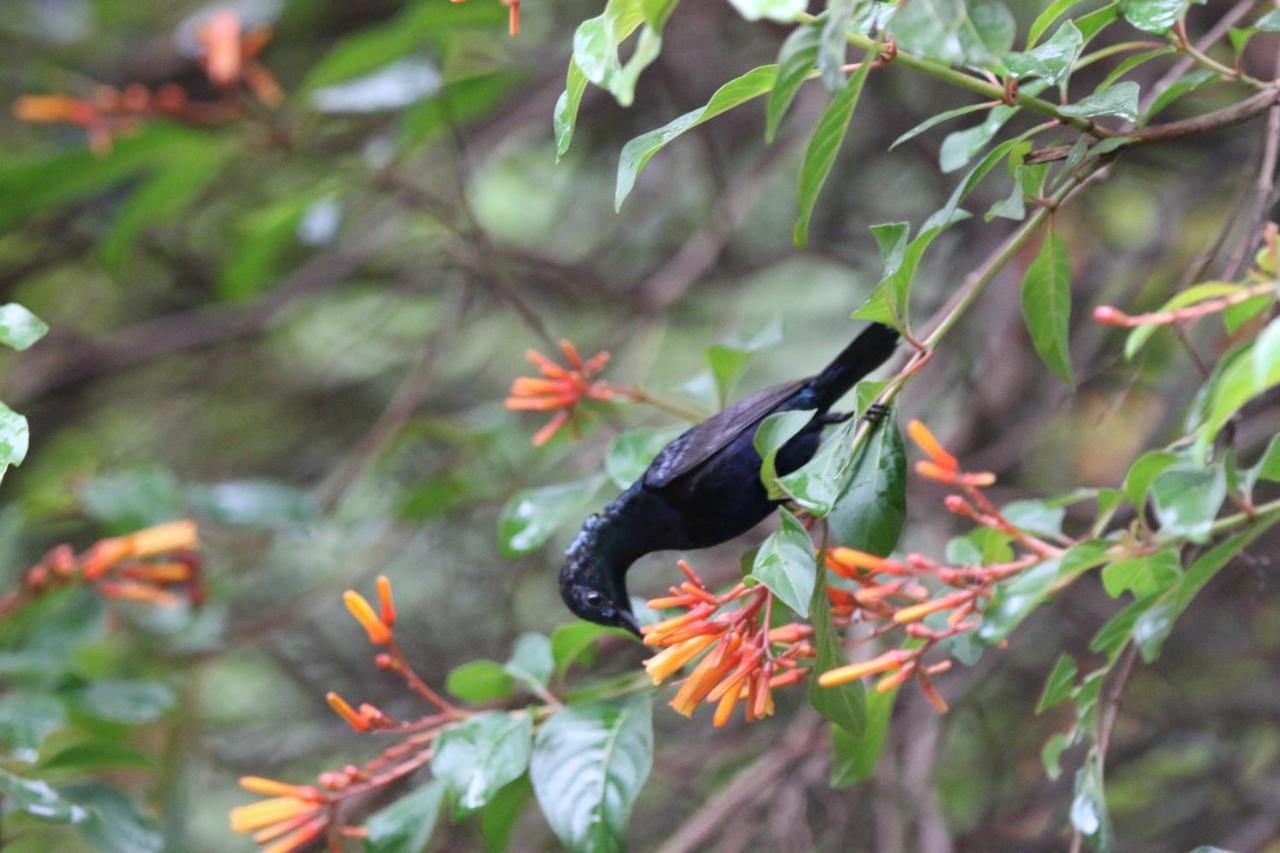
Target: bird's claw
875,413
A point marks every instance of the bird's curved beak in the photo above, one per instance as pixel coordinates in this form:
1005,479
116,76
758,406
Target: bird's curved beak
630,622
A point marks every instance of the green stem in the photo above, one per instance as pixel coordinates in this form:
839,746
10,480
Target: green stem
1112,50
1260,513
1227,72
668,404
960,79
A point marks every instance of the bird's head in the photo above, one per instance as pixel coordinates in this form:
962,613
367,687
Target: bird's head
591,584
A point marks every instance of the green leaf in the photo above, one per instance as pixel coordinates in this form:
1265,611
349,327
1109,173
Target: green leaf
796,59
254,503
114,823
483,753
938,119
133,498
1187,498
1143,472
1191,296
1154,624
1051,61
590,761
565,117
499,817
129,702
1244,374
38,799
944,30
890,300
1118,99
872,511
771,436
818,483
785,564
947,214
1089,806
1051,754
1038,517
1266,356
728,361
406,825
1015,600
576,641
1045,19
961,146
1266,468
824,145
845,705
1083,556
531,660
1235,317
479,681
27,717
15,438
854,758
1131,62
1144,576
1061,682
1046,305
1153,16
96,755
531,516
595,42
1185,85
833,44
637,153
782,11
19,328
1116,633
631,452
657,12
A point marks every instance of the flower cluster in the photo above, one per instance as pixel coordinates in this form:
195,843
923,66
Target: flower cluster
562,389
228,59
894,594
745,659
157,565
296,816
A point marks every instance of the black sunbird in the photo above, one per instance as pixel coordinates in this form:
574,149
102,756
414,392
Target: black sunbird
704,487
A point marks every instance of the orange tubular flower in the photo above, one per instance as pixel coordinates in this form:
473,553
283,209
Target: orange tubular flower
386,606
344,710
743,659
562,388
854,671
925,439
379,632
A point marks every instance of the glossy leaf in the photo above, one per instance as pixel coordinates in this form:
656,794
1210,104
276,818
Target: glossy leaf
872,511
531,516
114,823
1059,685
1045,19
576,641
481,754
1118,99
589,762
944,30
531,660
19,328
500,815
15,438
854,758
97,755
1144,576
406,825
38,799
1051,754
637,153
1187,498
824,145
785,564
1185,85
782,11
1016,600
1153,16
798,56
1143,472
771,436
1089,806
479,681
1038,517
1266,468
844,705
833,44
934,121
1051,61
1242,376
129,702
565,117
657,12
1046,305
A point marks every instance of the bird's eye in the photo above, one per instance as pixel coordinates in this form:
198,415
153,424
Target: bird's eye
595,599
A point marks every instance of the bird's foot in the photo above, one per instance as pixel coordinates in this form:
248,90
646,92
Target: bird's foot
876,413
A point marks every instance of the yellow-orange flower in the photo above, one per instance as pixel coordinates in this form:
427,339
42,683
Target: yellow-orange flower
562,388
379,632
925,439
344,710
744,658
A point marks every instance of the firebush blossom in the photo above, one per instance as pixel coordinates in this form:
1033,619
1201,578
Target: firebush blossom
562,388
292,817
157,565
228,60
745,660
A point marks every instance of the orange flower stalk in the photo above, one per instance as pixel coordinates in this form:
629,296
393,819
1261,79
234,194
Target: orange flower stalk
1111,316
513,15
744,659
561,388
116,568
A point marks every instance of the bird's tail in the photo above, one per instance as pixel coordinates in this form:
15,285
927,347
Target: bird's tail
870,349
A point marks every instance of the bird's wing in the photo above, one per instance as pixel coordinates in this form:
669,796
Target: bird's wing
699,443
